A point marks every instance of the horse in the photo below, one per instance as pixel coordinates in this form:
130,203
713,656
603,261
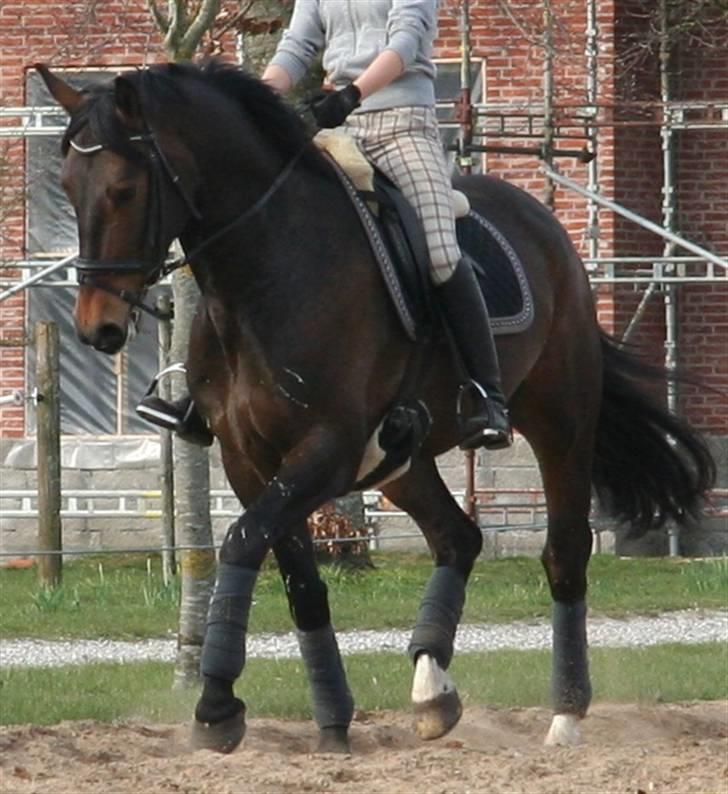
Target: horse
297,355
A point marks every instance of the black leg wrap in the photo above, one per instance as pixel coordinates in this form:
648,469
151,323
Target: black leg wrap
439,615
333,704
308,603
570,686
223,652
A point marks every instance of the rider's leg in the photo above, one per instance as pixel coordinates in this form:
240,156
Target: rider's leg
405,144
484,422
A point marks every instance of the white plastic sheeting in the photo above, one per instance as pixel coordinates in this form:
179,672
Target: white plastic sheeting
98,392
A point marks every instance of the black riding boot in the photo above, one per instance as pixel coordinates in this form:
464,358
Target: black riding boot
482,412
181,416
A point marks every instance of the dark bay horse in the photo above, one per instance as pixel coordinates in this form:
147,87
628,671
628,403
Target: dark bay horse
297,355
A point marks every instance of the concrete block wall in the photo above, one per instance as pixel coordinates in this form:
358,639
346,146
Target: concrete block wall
514,469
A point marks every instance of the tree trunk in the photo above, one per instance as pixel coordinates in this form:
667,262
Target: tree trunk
193,526
192,521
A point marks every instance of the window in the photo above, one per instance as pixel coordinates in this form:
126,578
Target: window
98,392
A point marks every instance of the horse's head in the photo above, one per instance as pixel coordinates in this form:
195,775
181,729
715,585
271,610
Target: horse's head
129,202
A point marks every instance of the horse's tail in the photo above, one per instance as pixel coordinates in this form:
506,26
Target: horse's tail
650,466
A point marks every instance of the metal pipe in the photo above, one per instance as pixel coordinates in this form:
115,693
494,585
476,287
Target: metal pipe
548,99
465,163
592,88
668,221
37,277
668,204
640,311
633,216
15,397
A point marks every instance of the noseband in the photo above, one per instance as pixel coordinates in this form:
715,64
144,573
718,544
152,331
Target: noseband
154,265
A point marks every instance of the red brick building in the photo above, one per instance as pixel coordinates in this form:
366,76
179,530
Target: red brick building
618,47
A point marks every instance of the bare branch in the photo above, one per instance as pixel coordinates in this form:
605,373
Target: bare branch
234,19
159,19
198,27
531,36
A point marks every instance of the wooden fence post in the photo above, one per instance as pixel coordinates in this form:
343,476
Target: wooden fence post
169,564
48,417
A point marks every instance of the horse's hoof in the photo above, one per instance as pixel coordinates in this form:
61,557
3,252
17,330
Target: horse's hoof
564,731
334,739
434,718
222,737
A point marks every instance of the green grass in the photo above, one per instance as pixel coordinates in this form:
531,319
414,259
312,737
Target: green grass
121,598
668,673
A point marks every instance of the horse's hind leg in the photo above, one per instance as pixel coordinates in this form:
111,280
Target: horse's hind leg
333,704
455,542
560,429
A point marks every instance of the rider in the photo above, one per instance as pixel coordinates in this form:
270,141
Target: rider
380,81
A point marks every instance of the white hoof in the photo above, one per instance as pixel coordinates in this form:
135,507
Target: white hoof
437,706
430,680
564,730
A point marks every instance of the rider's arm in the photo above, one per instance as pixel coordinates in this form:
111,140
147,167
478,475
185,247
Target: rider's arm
277,78
297,49
407,24
387,66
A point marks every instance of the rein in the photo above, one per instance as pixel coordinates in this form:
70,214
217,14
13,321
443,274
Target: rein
256,207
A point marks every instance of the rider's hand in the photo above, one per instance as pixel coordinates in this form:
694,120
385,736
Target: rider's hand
330,108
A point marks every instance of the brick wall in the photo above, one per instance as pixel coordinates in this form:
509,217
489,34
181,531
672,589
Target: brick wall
68,34
119,33
698,72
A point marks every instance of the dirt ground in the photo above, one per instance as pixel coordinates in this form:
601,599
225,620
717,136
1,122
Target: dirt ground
629,749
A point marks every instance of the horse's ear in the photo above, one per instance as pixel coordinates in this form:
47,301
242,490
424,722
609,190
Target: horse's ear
66,96
128,105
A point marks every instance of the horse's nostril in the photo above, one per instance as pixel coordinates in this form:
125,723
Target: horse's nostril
109,338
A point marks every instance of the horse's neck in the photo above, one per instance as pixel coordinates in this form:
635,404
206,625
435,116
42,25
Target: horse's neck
263,239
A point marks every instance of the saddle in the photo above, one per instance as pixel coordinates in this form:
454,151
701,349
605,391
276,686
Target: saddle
399,245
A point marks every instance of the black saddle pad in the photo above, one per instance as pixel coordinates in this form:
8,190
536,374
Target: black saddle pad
500,273
398,243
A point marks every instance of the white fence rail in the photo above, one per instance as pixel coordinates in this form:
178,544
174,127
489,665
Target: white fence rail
498,511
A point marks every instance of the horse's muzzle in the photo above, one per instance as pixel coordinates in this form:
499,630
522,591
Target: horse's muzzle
107,338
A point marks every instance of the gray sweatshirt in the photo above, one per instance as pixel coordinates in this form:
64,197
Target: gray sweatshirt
352,33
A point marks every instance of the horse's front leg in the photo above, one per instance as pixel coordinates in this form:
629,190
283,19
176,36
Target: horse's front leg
455,542
333,705
313,472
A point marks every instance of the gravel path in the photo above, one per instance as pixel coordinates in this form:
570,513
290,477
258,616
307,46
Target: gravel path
689,626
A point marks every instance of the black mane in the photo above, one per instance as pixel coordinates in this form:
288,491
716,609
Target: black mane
161,85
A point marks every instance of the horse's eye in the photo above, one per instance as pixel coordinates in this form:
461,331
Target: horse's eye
121,195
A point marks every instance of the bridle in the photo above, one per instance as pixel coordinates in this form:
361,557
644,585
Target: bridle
155,264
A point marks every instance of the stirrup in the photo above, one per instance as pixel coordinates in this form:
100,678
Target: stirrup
162,413
487,425
182,419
